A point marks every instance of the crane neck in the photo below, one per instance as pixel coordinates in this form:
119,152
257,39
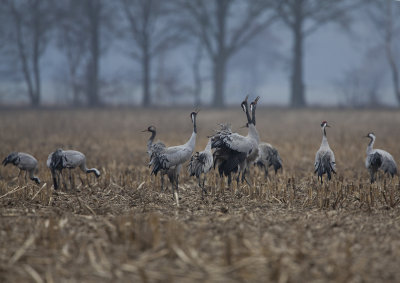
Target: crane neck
253,133
194,124
370,147
253,114
208,146
324,137
192,141
151,139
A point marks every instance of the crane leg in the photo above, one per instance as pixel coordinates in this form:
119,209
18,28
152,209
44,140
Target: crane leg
176,194
70,179
162,183
203,191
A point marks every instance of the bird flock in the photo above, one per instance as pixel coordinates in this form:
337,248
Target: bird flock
229,153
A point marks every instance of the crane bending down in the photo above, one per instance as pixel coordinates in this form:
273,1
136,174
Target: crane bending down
200,164
67,159
324,159
379,159
170,159
24,162
268,156
232,150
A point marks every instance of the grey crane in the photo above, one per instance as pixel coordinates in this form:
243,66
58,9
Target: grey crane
25,162
379,159
170,159
268,156
200,164
324,159
67,159
151,145
152,148
233,150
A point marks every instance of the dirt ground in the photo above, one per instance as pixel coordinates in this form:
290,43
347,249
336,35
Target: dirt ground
120,227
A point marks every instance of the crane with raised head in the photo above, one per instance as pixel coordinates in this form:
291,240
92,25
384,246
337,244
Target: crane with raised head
153,147
232,150
170,159
378,159
200,164
324,158
24,162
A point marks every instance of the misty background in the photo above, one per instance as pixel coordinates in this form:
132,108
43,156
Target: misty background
293,53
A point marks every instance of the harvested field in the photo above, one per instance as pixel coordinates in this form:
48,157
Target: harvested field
286,228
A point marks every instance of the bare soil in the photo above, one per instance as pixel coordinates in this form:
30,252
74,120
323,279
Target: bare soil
120,227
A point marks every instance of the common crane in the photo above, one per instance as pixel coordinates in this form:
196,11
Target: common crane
232,150
154,147
171,159
200,164
379,159
25,162
324,159
268,156
67,159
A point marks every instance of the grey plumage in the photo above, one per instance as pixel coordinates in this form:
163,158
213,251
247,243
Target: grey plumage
200,164
170,159
268,156
67,159
324,158
25,162
378,159
153,148
233,152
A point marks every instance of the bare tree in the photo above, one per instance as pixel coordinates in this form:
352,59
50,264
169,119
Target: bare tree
29,28
150,24
84,29
72,41
224,27
385,16
303,18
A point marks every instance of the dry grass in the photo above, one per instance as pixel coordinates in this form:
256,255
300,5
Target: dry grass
288,228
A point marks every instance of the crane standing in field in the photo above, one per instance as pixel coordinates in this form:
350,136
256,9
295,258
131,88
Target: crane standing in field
232,150
324,159
200,164
67,159
24,162
171,159
379,159
155,147
268,156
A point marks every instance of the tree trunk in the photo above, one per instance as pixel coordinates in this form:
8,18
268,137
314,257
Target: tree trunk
219,81
389,54
35,98
146,79
297,87
93,76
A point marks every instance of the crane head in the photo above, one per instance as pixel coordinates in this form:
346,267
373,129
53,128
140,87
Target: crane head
193,115
150,129
254,104
324,124
244,104
370,135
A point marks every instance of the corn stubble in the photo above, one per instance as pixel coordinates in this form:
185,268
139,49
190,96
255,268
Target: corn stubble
286,228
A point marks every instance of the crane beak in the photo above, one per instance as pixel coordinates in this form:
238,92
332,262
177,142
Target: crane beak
256,100
328,126
144,131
